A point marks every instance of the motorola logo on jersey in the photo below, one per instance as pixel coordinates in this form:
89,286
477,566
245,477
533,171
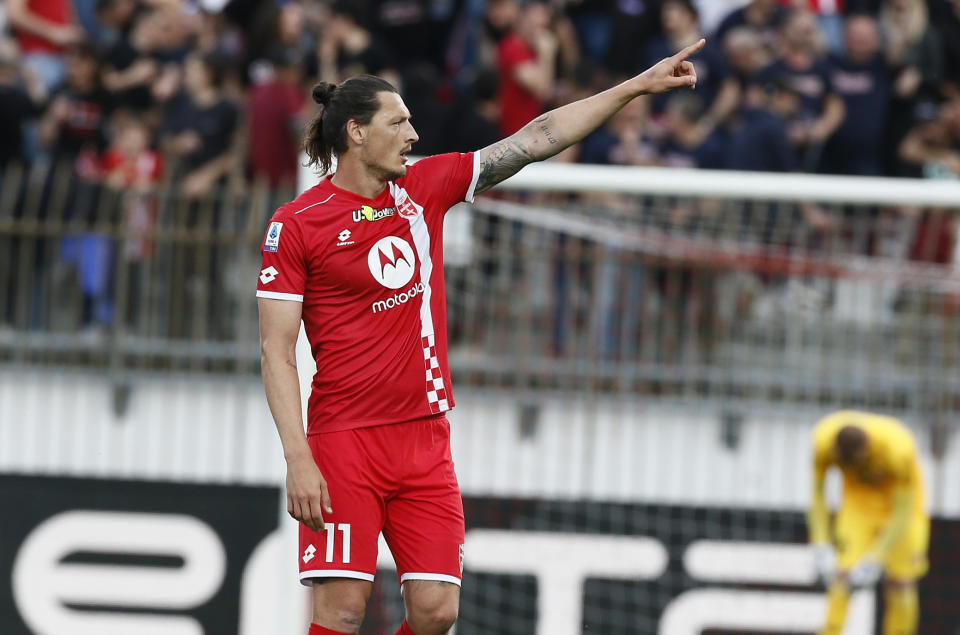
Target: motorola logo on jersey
392,262
398,298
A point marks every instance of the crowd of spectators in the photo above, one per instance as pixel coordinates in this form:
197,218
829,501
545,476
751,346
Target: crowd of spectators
217,87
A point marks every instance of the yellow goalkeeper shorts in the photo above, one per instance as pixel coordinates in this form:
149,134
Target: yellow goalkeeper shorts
856,531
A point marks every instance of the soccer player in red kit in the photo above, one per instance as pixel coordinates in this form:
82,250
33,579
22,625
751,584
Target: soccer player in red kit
359,259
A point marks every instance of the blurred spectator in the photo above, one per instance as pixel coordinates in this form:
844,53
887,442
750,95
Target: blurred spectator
275,115
624,140
129,73
75,119
526,64
760,142
747,58
132,169
764,17
862,80
73,128
476,115
912,48
44,30
415,30
829,17
200,128
947,20
687,144
933,143
473,44
593,22
802,64
347,48
717,89
130,163
22,98
634,21
914,54
421,90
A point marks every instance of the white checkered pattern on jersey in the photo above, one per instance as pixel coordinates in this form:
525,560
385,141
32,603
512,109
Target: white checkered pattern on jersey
436,391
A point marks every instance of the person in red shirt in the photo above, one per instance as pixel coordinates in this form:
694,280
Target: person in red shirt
525,61
358,259
275,106
44,30
134,169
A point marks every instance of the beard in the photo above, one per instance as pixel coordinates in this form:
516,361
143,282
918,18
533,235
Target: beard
383,172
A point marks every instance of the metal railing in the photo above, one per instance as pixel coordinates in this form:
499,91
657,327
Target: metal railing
683,297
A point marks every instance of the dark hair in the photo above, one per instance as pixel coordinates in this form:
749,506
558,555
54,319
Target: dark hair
850,442
216,67
356,98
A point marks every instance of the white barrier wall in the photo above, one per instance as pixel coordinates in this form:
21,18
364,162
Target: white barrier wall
215,430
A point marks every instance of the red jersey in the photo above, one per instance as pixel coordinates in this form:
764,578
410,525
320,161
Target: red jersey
518,106
370,275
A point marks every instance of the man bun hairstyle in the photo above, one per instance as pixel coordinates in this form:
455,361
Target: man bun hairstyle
356,98
322,93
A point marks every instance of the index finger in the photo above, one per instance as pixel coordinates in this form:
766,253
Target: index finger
690,50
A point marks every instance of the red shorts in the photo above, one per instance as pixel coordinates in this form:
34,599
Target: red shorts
395,478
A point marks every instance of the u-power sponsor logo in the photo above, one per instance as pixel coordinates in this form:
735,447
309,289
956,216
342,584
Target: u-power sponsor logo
398,298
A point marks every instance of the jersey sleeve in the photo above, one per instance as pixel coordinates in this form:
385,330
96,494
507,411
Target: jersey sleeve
448,178
283,272
822,448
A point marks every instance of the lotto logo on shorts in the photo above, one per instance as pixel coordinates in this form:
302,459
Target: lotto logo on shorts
308,553
461,559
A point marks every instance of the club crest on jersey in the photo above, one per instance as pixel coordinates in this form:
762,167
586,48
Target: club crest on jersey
370,214
405,205
272,243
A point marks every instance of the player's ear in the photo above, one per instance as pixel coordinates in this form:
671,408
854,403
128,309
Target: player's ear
355,131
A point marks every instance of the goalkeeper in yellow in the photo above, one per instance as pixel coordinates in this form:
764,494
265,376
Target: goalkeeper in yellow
881,526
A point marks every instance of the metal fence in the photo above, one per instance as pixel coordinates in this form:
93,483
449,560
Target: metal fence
665,296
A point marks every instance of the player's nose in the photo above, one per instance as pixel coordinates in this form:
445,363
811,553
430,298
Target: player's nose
412,136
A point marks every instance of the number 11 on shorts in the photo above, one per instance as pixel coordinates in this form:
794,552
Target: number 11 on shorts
331,529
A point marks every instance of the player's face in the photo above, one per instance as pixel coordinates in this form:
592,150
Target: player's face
389,137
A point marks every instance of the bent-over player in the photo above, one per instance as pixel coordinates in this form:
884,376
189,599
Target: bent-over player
881,527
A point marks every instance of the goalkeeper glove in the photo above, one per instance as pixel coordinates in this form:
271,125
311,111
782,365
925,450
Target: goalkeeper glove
865,573
823,562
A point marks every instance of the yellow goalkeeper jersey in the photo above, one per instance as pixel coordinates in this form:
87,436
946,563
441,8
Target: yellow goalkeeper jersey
892,462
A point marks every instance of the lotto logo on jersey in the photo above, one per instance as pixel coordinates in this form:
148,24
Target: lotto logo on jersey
391,262
268,275
369,214
272,243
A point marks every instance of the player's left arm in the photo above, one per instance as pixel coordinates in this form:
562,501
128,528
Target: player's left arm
558,129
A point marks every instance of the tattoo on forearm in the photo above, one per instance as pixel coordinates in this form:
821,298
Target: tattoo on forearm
542,121
501,161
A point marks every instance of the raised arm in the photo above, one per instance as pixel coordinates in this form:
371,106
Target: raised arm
558,129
